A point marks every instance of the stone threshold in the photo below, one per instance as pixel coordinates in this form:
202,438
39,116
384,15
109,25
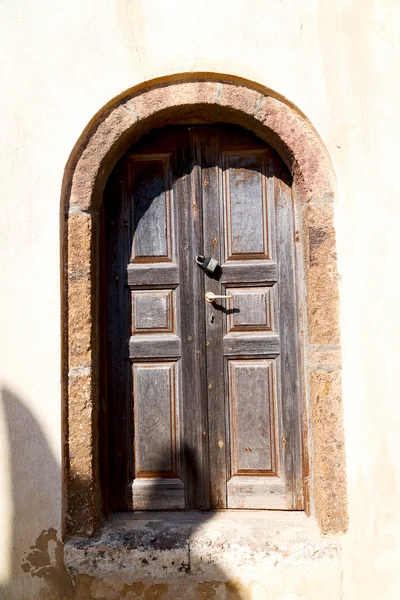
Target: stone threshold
215,545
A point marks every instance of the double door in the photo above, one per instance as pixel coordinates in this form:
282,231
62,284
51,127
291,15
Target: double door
203,397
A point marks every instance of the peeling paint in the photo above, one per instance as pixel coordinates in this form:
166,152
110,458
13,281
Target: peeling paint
46,561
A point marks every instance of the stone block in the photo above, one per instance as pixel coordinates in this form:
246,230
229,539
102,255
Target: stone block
149,103
79,243
79,320
107,134
241,99
321,275
311,168
196,556
328,451
82,509
325,358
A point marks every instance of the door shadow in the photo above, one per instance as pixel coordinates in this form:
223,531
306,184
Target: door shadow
35,550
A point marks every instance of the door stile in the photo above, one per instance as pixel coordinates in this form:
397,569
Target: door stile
215,311
119,379
290,442
194,396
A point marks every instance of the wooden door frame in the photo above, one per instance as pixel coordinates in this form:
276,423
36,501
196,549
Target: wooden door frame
212,98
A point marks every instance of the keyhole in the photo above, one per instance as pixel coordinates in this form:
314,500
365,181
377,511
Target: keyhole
211,317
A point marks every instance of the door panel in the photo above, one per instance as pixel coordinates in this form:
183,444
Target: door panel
157,445
204,397
153,311
252,407
189,203
151,207
244,189
251,309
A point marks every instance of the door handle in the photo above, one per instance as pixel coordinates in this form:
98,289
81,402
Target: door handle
210,297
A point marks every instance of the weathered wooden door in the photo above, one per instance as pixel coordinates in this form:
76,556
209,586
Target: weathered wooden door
204,398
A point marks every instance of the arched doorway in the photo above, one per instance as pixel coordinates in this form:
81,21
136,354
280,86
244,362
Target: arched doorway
214,99
204,396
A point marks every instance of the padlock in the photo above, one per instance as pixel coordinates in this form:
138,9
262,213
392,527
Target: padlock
208,264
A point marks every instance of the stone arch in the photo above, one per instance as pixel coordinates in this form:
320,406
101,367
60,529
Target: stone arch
111,132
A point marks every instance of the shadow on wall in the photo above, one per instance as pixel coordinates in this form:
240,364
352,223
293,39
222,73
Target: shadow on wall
36,559
36,566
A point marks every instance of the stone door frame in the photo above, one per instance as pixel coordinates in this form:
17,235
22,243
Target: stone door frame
212,98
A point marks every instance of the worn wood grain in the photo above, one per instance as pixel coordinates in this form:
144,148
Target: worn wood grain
245,206
289,389
157,494
156,419
151,207
157,346
262,271
153,311
252,406
213,246
257,493
118,246
251,309
152,274
194,394
245,345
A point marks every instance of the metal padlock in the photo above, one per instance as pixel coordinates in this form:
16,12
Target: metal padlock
208,264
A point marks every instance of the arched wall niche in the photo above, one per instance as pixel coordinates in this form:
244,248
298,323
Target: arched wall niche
212,98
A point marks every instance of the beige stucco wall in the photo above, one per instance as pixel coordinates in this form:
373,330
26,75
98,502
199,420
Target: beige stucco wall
61,61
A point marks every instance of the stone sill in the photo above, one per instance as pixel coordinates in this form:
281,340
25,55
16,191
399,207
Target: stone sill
218,546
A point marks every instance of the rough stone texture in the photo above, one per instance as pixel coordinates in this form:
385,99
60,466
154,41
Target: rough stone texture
241,98
321,275
79,320
82,499
79,290
325,358
82,506
328,452
311,166
220,555
109,137
100,144
162,98
79,242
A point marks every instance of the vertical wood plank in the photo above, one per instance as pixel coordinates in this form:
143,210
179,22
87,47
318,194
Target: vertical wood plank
190,241
290,442
213,241
117,207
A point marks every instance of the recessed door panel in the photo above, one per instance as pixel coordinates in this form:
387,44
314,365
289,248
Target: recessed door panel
153,311
250,309
156,419
252,408
157,483
245,205
151,208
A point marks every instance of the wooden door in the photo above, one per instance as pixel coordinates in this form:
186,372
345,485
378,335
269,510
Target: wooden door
204,398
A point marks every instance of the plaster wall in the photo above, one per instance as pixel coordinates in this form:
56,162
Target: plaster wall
339,62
